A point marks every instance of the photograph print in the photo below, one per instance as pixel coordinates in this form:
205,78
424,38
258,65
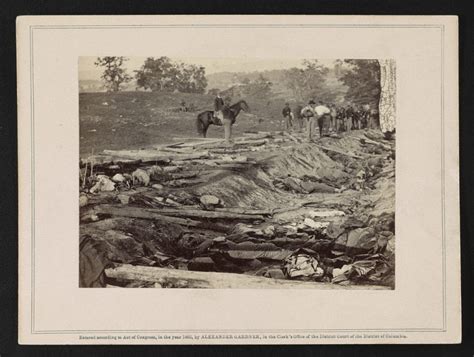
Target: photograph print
237,173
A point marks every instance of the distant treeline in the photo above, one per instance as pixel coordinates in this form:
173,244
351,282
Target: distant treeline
313,80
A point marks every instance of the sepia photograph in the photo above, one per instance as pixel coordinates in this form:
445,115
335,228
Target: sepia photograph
241,173
238,180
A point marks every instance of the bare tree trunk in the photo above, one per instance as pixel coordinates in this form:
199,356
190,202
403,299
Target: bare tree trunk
387,103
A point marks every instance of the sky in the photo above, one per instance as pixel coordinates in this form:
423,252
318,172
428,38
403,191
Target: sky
88,71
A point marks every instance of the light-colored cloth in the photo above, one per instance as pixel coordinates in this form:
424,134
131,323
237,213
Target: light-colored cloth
322,109
307,111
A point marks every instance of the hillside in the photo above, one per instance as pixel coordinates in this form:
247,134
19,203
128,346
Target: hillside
224,80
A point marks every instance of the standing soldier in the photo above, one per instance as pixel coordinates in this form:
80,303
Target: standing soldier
299,117
308,114
288,117
332,107
350,116
218,108
324,117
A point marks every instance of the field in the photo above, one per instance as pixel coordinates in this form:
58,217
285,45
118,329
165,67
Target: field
135,120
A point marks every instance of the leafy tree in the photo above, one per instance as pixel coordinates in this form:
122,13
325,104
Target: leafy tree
362,77
156,74
307,82
162,74
114,74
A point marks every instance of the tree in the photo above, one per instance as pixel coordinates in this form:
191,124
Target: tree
308,82
156,74
373,82
162,74
261,87
387,103
114,74
362,77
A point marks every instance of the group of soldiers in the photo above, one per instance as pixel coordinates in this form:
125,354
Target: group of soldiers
329,118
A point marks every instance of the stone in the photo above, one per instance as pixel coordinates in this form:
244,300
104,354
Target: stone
157,186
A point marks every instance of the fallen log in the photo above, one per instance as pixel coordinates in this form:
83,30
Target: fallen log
185,182
174,278
213,162
227,151
197,142
154,155
244,211
252,142
189,213
256,136
152,214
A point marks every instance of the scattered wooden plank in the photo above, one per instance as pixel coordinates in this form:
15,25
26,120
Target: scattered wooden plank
187,140
252,142
145,213
174,278
370,141
296,140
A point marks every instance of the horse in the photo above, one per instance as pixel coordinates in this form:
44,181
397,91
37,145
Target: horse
207,118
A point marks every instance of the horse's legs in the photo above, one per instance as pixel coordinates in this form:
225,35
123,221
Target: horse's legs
204,129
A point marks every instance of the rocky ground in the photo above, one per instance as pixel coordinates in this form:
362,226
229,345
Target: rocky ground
268,211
